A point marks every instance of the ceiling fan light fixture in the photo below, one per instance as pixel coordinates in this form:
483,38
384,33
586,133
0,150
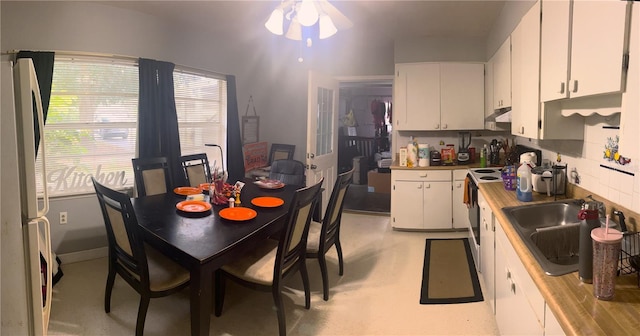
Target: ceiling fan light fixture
307,13
295,30
327,28
275,22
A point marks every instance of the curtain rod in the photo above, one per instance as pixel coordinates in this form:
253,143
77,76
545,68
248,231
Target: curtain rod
121,57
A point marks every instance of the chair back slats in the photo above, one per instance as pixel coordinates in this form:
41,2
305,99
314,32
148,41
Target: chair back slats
333,214
154,181
120,233
196,175
294,238
125,242
152,175
196,169
299,226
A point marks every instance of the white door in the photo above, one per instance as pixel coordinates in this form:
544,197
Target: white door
322,136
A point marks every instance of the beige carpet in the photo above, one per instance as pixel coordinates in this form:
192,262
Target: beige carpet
448,274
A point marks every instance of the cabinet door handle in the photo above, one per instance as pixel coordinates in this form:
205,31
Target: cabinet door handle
575,86
437,126
513,288
508,274
428,186
459,185
444,126
561,87
521,129
425,175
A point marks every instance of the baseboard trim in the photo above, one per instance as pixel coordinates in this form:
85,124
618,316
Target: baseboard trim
73,257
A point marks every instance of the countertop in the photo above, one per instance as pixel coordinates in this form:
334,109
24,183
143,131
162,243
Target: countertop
395,165
572,302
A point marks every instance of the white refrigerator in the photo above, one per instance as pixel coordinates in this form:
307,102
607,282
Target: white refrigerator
25,245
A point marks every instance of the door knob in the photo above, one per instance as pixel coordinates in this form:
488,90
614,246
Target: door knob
313,166
311,155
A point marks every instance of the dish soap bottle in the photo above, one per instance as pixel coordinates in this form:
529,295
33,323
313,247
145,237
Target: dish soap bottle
524,188
483,156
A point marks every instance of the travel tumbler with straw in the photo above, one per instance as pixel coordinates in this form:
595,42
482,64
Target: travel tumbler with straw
606,253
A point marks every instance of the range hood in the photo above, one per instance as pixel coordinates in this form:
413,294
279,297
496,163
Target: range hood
500,115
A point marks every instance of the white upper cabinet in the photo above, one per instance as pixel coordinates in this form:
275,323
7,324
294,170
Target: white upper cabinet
502,76
591,57
525,51
462,96
439,96
417,96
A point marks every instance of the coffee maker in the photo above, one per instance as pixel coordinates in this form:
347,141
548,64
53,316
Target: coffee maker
464,141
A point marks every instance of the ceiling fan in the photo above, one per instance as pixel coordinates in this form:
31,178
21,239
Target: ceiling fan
301,18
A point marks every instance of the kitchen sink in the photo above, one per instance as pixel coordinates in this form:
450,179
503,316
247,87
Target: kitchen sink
551,231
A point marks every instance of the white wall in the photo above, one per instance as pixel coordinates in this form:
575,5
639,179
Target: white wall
265,67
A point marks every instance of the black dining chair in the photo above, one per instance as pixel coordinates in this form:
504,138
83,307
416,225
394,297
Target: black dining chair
272,261
145,269
288,171
324,235
196,169
152,175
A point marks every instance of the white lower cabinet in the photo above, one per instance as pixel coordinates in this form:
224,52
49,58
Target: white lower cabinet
421,199
519,311
460,210
551,325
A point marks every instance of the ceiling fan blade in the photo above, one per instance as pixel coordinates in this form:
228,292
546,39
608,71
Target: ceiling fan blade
339,20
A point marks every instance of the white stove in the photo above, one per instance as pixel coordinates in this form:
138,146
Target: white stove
485,175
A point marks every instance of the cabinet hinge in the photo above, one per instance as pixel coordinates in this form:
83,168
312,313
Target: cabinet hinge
625,62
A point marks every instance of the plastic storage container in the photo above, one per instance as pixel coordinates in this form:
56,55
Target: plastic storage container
606,253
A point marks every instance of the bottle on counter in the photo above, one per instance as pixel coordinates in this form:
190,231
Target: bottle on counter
483,156
412,153
524,189
589,220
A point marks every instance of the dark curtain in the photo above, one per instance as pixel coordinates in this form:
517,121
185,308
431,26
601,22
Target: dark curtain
157,120
43,64
235,159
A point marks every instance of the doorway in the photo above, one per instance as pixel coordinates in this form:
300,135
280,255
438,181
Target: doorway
364,141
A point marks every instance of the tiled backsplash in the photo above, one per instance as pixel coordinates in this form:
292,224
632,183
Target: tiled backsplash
587,157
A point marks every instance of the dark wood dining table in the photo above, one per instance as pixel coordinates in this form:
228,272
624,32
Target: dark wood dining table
203,242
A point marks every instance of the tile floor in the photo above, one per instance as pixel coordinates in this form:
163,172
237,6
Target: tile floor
377,295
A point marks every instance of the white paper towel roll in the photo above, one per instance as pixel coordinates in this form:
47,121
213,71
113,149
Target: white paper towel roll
423,151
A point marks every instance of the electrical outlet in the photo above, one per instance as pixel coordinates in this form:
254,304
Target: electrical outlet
63,217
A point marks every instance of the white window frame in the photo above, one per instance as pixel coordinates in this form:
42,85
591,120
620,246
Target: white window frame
69,180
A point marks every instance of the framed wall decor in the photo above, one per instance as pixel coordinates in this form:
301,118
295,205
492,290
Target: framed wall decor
250,129
250,125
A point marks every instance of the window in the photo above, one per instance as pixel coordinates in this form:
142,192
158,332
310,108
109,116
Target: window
201,105
91,125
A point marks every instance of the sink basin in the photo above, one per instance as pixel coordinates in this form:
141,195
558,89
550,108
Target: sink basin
551,232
